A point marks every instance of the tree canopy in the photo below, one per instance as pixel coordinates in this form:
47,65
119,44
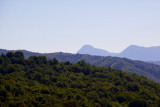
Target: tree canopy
37,81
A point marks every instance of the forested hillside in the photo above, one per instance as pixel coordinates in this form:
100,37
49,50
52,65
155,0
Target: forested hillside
37,81
151,71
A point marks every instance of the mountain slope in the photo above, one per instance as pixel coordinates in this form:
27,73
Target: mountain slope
151,71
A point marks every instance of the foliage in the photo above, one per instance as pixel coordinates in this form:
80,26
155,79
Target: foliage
37,81
151,71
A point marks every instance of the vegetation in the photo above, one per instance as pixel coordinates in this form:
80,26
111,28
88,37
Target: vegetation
37,81
151,71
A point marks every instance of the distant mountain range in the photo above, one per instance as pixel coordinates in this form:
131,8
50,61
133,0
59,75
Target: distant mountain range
132,52
151,71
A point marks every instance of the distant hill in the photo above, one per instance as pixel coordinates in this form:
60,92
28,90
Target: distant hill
88,49
141,53
132,52
151,71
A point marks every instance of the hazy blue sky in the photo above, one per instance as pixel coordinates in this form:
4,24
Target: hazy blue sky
66,25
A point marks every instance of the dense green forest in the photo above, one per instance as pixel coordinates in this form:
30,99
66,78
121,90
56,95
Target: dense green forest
151,71
37,81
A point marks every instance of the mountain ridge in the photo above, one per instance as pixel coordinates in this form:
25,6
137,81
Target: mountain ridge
131,52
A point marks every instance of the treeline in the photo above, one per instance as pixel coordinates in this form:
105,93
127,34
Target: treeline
151,71
38,82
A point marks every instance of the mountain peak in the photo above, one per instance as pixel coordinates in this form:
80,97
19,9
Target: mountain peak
88,49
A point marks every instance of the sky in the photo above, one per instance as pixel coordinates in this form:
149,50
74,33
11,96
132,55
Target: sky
66,25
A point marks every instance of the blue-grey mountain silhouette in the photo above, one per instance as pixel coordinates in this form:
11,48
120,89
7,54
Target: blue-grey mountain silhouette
132,52
88,49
